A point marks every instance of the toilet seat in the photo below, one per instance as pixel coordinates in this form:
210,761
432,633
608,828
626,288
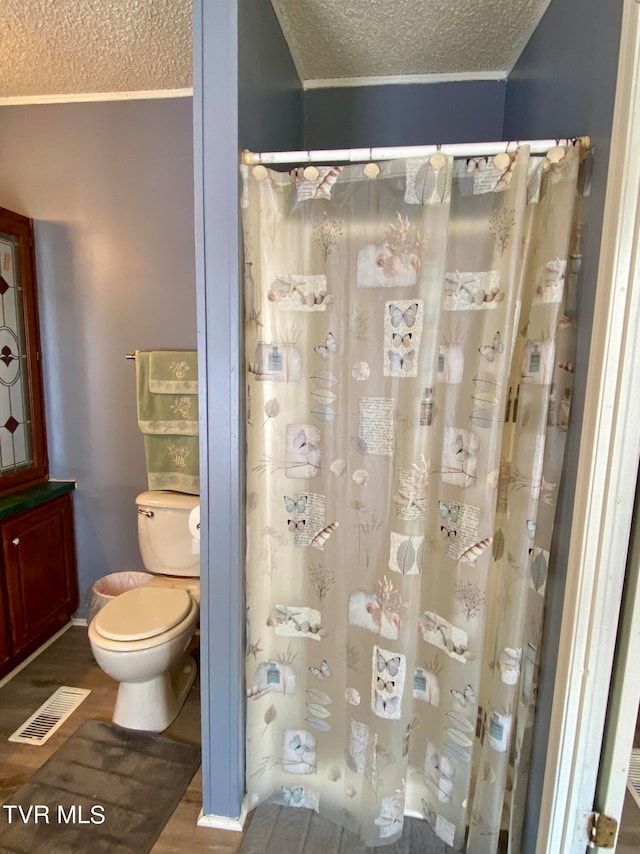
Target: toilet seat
142,613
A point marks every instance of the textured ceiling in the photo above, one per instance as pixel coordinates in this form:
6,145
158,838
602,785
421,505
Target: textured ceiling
332,39
52,49
58,47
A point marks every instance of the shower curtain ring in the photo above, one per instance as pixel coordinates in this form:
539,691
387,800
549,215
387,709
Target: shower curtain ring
260,171
556,154
502,160
310,172
371,169
437,160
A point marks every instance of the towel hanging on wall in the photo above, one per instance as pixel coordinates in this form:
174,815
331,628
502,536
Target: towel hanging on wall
173,371
167,402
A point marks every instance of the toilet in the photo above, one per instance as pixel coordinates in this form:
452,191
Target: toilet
140,637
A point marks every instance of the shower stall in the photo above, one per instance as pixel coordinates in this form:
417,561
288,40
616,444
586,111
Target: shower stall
410,326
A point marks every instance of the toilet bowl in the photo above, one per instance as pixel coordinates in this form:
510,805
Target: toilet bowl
140,637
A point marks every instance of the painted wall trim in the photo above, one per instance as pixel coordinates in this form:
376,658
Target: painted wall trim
223,822
624,698
219,306
83,97
403,79
605,485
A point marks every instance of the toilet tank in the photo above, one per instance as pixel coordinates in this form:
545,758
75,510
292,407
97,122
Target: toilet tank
166,544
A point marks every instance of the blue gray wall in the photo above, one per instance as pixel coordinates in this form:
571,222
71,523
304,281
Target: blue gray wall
246,95
564,85
110,187
409,114
269,92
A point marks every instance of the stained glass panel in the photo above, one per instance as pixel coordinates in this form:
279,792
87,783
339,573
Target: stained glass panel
15,421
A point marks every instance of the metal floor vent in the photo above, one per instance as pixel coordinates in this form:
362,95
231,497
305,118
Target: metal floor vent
633,778
50,716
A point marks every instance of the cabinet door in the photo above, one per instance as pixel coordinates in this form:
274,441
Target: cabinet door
39,558
5,634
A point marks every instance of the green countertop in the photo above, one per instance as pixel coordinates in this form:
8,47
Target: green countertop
34,495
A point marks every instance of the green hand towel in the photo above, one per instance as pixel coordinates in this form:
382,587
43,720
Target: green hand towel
169,421
173,371
173,463
173,414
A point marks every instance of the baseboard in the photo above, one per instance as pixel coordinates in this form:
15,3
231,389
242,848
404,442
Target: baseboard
79,621
223,822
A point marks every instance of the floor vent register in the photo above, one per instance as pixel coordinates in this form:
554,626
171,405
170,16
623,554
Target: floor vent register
50,716
633,779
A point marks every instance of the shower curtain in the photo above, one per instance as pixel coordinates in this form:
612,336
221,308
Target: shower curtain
410,333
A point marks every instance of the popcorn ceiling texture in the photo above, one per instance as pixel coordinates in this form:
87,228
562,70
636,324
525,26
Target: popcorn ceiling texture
58,47
371,38
76,47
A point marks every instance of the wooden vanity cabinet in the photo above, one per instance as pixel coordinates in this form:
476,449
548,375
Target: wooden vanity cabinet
5,633
38,574
39,577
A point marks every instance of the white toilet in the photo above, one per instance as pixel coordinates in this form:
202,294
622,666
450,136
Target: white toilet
140,637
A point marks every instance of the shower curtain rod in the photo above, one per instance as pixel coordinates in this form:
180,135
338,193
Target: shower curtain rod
361,155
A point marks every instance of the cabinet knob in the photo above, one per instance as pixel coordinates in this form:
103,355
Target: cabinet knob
16,541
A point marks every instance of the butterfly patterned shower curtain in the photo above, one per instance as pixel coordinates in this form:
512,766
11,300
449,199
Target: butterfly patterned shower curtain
409,355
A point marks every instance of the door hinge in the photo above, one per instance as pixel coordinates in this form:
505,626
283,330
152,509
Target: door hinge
603,831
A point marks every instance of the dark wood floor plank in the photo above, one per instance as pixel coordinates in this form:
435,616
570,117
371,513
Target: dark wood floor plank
629,835
323,836
260,830
350,843
400,846
290,831
423,838
417,838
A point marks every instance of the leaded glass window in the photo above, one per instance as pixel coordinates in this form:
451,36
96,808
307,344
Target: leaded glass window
22,434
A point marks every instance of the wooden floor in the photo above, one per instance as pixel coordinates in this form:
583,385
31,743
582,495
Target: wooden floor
283,830
68,661
629,834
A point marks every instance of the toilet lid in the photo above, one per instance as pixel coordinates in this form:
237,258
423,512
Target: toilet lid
142,613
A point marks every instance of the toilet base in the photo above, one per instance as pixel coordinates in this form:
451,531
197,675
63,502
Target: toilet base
153,705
